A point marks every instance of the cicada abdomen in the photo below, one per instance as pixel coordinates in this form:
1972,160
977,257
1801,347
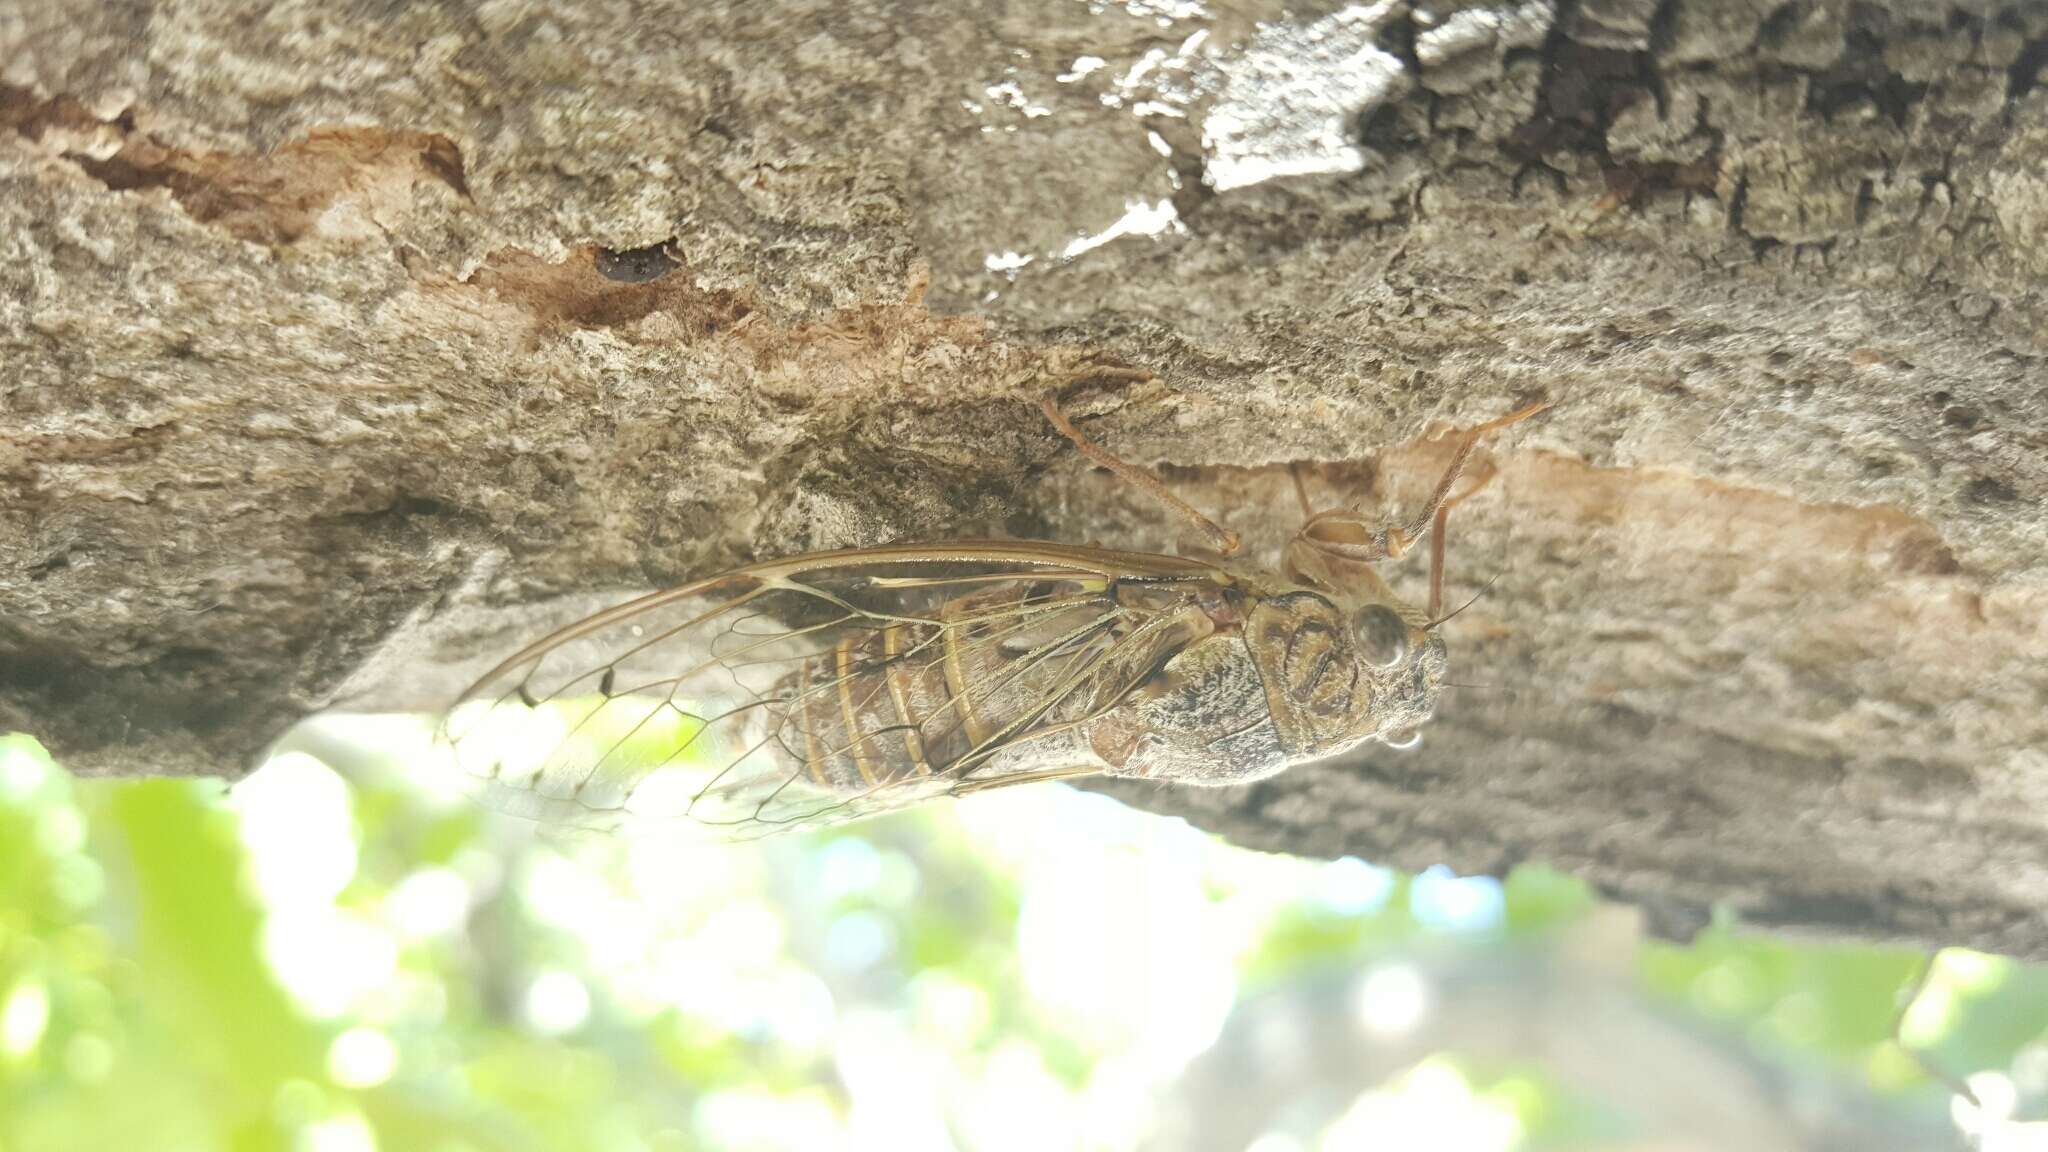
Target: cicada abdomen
917,697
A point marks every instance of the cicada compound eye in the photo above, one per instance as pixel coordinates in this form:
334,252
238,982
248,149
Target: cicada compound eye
1382,636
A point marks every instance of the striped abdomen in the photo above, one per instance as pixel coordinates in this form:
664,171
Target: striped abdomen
913,699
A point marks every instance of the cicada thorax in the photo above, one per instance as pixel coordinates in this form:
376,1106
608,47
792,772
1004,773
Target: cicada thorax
1286,681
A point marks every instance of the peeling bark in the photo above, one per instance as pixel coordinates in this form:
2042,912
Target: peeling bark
341,355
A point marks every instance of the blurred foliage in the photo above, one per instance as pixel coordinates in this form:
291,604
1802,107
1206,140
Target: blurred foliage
340,966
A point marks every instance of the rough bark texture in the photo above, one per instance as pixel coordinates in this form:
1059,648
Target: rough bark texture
343,349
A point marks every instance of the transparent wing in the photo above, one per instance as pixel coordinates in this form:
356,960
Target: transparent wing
820,689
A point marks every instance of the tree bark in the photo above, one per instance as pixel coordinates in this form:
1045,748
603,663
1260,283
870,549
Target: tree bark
343,355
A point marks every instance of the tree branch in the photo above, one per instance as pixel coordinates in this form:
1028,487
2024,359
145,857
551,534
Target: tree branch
319,394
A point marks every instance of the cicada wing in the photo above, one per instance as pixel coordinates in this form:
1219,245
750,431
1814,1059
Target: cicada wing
719,702
678,708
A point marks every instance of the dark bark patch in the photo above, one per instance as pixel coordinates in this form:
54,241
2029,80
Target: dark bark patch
636,265
1990,490
594,288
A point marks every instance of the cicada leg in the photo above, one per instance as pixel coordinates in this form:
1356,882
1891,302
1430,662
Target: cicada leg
1436,538
1433,516
1226,541
1340,535
1308,510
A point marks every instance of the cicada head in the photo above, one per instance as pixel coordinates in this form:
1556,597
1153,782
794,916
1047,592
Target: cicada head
1344,660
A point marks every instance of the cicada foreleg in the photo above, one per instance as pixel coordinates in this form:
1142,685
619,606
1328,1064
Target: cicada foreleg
1442,501
1345,536
1226,541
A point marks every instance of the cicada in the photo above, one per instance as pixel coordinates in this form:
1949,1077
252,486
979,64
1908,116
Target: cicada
821,688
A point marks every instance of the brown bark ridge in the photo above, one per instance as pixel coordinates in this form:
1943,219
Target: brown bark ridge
342,353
